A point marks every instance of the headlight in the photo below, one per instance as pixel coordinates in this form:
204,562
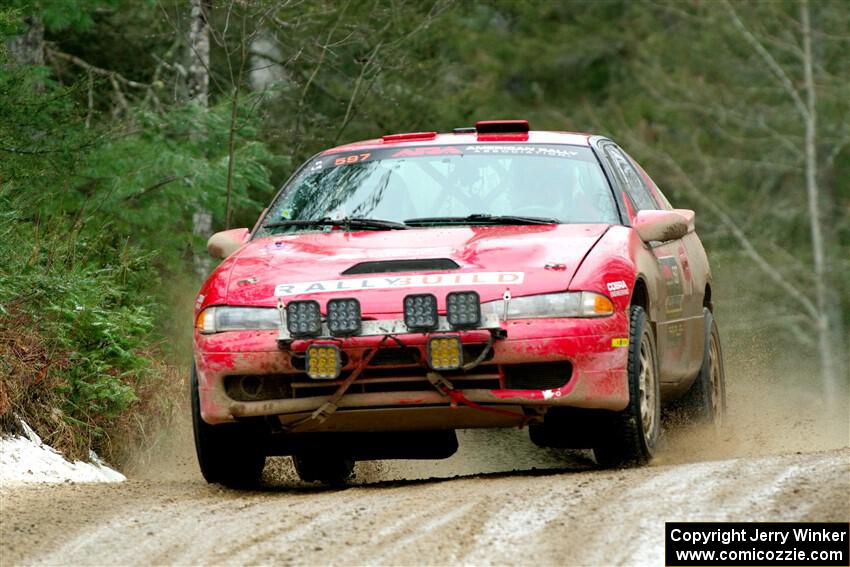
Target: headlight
218,319
569,304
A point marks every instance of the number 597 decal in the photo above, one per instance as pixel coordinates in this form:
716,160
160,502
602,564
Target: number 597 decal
354,158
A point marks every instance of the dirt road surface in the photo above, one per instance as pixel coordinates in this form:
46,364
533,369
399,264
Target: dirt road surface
556,509
499,500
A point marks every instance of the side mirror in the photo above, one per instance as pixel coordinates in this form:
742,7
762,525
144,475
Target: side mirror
660,226
223,244
689,216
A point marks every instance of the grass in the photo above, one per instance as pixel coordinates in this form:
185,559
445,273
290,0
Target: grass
81,357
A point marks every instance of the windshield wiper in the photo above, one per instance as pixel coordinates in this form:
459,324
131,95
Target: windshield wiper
347,223
480,218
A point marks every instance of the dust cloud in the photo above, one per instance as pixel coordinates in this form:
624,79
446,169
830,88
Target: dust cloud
774,407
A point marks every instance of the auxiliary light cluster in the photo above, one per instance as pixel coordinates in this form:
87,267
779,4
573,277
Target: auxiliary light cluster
344,318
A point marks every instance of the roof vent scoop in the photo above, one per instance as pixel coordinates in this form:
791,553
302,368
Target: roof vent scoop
495,130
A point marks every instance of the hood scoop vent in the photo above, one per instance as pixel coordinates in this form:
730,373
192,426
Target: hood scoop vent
391,266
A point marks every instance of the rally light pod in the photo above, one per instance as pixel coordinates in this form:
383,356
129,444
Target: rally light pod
502,126
304,318
420,312
463,309
344,316
445,353
323,362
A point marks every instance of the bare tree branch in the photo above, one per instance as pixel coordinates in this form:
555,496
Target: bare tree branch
354,92
299,109
150,189
733,227
96,70
777,70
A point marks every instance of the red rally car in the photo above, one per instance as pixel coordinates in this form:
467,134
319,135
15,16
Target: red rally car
401,288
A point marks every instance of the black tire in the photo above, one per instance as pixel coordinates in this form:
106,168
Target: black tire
568,428
629,437
705,401
539,435
327,469
230,454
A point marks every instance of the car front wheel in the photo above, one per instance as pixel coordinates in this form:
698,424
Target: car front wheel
230,454
629,437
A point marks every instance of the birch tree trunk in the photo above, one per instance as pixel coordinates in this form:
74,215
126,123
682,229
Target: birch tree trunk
198,83
199,53
828,370
806,108
28,48
264,58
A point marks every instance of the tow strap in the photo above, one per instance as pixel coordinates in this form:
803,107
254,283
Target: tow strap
443,386
329,407
458,397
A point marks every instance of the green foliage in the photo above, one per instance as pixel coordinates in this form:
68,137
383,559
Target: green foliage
89,318
60,15
97,212
40,136
135,185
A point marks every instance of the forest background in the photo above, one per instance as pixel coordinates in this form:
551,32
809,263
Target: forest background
130,130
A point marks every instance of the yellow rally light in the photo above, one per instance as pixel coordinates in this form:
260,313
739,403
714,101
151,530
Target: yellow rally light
445,353
323,362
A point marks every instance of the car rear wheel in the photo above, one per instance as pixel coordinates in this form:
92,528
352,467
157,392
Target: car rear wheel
230,454
324,468
629,437
705,401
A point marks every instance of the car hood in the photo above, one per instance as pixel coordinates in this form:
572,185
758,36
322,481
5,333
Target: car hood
526,259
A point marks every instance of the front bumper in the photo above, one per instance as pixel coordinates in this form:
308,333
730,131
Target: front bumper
592,347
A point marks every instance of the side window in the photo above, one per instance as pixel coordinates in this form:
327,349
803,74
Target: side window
630,179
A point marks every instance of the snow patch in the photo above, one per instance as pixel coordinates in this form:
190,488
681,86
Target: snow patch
25,458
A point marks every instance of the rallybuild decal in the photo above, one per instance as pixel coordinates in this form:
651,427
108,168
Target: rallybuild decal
431,280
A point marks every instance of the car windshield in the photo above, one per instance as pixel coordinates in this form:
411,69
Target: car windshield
445,185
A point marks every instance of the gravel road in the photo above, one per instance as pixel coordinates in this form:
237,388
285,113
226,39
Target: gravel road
499,500
556,509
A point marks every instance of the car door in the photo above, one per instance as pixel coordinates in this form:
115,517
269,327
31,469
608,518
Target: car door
679,329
